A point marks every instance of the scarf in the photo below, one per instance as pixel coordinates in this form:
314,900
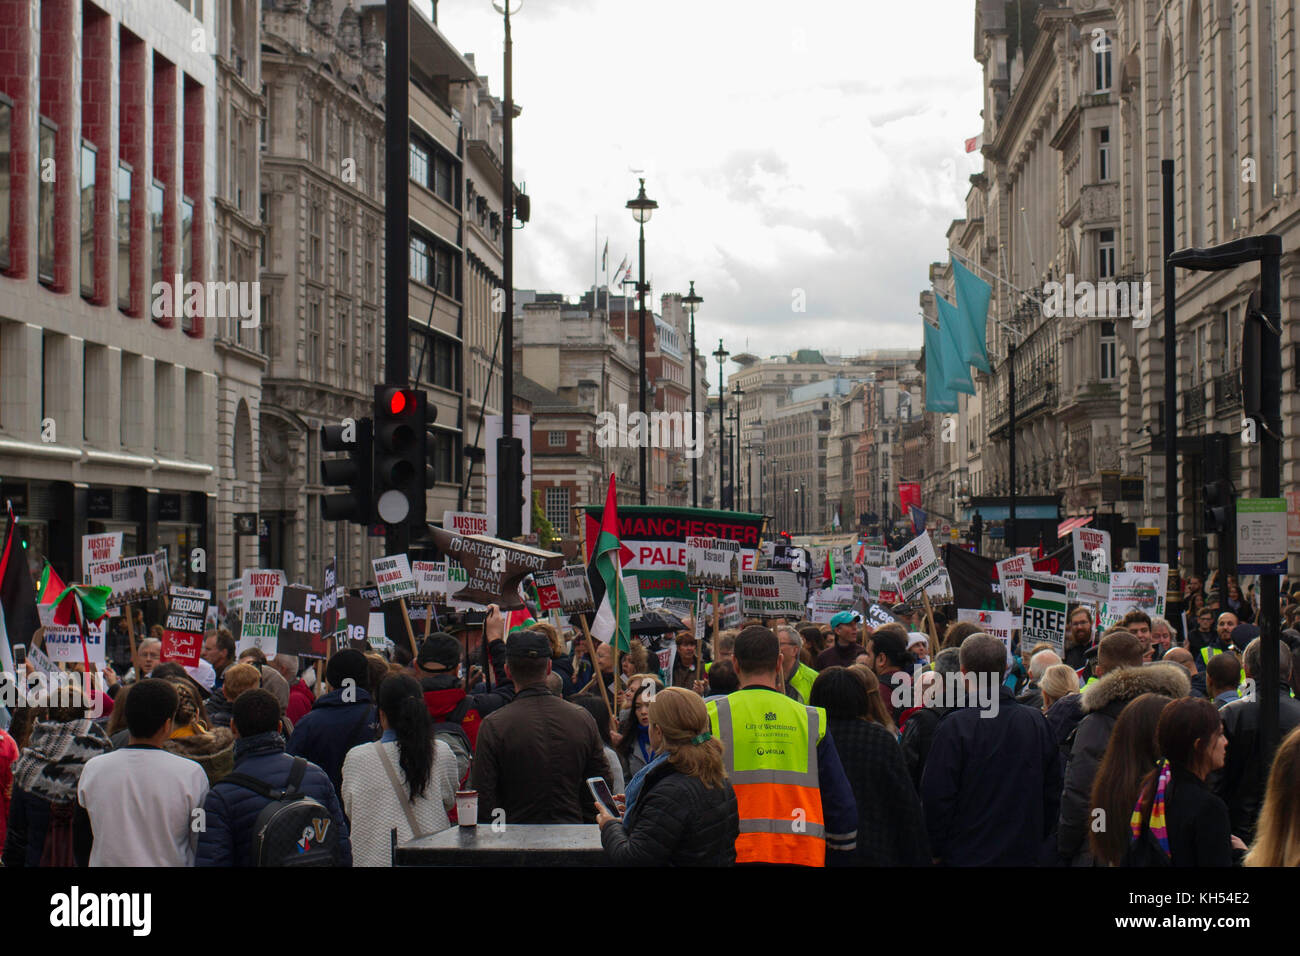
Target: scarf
1157,822
633,788
51,763
643,742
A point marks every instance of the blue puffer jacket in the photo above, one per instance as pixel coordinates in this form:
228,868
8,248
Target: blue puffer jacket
231,810
333,727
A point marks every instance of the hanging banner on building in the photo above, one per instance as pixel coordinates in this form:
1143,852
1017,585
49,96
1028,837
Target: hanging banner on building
574,590
1042,617
263,593
771,594
302,624
393,577
100,547
1092,564
63,644
712,563
654,542
470,522
917,565
187,612
909,493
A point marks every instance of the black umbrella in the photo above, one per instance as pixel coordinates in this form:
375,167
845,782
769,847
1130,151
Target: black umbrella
657,622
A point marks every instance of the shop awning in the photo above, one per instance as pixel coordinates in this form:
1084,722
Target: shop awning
1069,524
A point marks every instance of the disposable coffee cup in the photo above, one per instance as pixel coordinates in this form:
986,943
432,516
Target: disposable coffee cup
467,807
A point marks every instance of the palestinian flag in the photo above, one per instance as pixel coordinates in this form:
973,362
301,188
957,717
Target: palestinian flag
48,588
612,621
18,617
519,620
972,577
828,572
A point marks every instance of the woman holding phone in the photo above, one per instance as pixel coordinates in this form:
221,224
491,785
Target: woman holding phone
684,813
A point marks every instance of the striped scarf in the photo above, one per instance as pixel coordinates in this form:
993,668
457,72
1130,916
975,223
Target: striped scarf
1157,821
52,761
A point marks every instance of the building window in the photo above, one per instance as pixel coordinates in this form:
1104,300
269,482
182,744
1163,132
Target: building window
344,309
419,163
1103,154
369,346
264,208
124,236
1105,253
45,204
187,252
370,266
1101,66
157,196
557,439
419,260
316,142
446,456
87,221
343,254
315,222
557,509
444,183
444,272
314,340
1107,370
6,144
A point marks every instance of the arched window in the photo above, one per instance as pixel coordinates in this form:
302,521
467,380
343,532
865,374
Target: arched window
243,450
1229,181
1194,128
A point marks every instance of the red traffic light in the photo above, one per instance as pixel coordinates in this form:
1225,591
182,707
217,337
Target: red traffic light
397,402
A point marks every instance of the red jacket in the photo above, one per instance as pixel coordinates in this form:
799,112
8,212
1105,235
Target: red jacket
300,701
8,757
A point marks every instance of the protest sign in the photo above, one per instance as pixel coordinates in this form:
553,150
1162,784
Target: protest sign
263,593
712,563
430,581
63,644
1011,576
825,604
871,588
889,593
470,522
771,594
666,658
632,587
100,547
187,612
877,615
1092,564
917,565
1134,591
676,607
128,579
235,597
654,542
302,624
874,557
729,610
494,568
1043,611
999,624
574,590
701,615
330,599
548,595
393,577
939,591
356,623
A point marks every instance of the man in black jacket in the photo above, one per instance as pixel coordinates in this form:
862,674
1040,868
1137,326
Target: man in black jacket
992,782
1242,781
918,733
535,755
1121,678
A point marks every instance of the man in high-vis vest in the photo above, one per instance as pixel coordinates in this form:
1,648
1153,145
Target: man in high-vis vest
798,676
1226,624
796,804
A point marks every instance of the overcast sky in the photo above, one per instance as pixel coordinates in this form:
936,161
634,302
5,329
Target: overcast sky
814,146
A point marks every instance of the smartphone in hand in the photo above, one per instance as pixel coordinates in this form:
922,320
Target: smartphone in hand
600,790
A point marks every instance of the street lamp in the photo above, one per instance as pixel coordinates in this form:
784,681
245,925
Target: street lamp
691,303
721,355
642,207
737,393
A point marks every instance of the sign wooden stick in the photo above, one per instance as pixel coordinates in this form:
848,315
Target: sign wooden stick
699,651
929,616
320,680
130,633
428,620
410,634
595,664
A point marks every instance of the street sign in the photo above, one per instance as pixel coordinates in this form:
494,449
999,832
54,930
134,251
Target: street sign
1261,536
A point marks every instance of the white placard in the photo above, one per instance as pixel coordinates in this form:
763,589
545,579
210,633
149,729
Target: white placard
63,644
100,547
393,577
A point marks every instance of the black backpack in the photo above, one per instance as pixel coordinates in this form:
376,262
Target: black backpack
293,829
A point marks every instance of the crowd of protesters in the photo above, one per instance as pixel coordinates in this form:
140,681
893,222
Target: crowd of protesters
934,743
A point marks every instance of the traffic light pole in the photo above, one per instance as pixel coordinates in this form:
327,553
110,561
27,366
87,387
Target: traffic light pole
1262,403
510,464
397,327
1171,396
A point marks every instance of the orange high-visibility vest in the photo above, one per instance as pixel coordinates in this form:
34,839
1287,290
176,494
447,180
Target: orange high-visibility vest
770,753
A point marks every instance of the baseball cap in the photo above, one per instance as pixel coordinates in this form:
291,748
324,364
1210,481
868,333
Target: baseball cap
846,617
440,648
528,645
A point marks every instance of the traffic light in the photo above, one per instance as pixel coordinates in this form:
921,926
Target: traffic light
402,473
354,471
1218,506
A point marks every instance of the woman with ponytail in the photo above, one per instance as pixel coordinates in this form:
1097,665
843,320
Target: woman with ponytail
405,781
683,812
1178,821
